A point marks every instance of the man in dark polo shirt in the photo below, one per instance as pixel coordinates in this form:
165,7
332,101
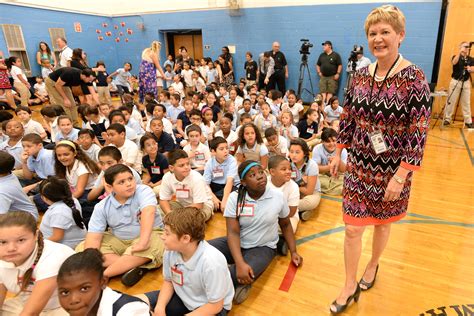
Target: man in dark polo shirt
281,69
328,67
59,84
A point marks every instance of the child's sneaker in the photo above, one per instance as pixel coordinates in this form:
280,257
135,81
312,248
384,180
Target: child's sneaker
132,277
242,292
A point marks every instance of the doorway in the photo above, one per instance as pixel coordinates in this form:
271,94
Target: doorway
191,39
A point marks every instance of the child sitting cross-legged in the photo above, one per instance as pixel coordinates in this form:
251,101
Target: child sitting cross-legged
155,164
82,288
186,186
220,173
196,278
198,153
126,227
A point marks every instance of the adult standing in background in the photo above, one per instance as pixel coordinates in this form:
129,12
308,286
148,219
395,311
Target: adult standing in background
5,82
45,59
182,57
78,60
227,56
266,68
65,53
226,70
147,73
281,69
328,67
463,66
385,122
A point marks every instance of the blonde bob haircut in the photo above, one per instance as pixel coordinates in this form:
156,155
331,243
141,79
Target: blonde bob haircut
387,14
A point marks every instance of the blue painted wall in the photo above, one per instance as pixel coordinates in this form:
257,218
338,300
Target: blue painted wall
253,31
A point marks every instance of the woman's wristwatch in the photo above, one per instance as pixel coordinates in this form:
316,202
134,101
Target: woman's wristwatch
400,180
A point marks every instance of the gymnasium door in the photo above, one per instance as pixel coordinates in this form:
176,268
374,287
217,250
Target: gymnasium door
192,42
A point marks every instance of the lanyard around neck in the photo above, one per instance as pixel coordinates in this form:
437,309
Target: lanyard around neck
383,82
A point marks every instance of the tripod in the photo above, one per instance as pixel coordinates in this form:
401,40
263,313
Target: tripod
350,75
304,66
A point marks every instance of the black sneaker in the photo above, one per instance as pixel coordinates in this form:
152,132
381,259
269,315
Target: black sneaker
242,292
446,123
282,247
468,125
132,277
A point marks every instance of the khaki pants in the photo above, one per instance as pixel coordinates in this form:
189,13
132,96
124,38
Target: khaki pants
14,306
309,202
464,100
104,95
331,185
313,142
157,190
23,91
56,99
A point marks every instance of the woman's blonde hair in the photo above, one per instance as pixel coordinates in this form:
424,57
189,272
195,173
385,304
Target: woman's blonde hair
153,49
389,14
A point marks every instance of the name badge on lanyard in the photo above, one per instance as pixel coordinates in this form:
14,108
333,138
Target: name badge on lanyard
177,276
248,210
293,174
377,141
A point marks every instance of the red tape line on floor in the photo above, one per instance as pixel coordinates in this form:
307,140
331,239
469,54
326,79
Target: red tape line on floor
288,278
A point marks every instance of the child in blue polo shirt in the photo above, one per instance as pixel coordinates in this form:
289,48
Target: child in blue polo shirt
12,197
220,173
66,129
196,277
254,214
126,227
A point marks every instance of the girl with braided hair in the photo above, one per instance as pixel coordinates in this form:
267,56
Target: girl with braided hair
253,215
63,221
28,267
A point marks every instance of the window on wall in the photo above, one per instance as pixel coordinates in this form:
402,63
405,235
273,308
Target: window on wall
16,44
54,33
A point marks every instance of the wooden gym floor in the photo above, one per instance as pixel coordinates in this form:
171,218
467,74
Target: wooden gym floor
427,267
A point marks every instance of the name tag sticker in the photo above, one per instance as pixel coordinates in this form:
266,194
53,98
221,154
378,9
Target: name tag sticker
248,210
199,156
293,174
378,143
218,172
177,276
155,170
310,130
182,193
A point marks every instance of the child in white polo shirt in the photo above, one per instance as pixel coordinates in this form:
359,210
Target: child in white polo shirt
126,227
30,125
186,185
81,284
196,277
198,153
220,173
30,274
131,155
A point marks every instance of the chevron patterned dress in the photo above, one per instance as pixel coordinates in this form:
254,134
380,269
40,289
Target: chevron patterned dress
400,109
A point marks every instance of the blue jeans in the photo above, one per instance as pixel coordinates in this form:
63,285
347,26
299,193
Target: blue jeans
175,306
259,258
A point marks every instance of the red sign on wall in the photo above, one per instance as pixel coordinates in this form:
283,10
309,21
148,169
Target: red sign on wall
77,27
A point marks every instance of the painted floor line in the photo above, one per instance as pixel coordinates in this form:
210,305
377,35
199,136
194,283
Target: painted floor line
467,146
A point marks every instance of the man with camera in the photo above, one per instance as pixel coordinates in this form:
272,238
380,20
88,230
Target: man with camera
460,85
328,67
357,59
281,69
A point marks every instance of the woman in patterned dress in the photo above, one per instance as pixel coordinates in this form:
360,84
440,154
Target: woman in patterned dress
5,82
384,123
147,74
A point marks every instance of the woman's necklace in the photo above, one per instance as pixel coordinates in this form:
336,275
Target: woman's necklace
394,68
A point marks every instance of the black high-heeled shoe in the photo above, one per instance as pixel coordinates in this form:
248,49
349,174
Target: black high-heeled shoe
341,308
368,285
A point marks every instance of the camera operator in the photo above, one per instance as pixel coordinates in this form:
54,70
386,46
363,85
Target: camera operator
281,69
266,68
328,67
463,65
357,57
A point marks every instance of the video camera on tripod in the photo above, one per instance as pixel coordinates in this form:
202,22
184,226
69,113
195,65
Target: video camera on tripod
356,50
305,46
304,51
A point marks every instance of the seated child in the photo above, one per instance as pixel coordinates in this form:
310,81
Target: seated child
188,186
14,130
66,130
280,179
287,129
97,123
251,146
40,95
29,125
304,172
175,108
225,131
244,119
131,155
117,117
323,155
12,197
276,144
183,119
155,164
198,153
30,276
164,97
295,108
155,110
247,108
50,114
88,143
128,101
254,214
169,74
62,222
276,102
207,122
220,173
308,128
81,283
126,227
130,121
265,119
203,287
333,112
164,140
108,156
